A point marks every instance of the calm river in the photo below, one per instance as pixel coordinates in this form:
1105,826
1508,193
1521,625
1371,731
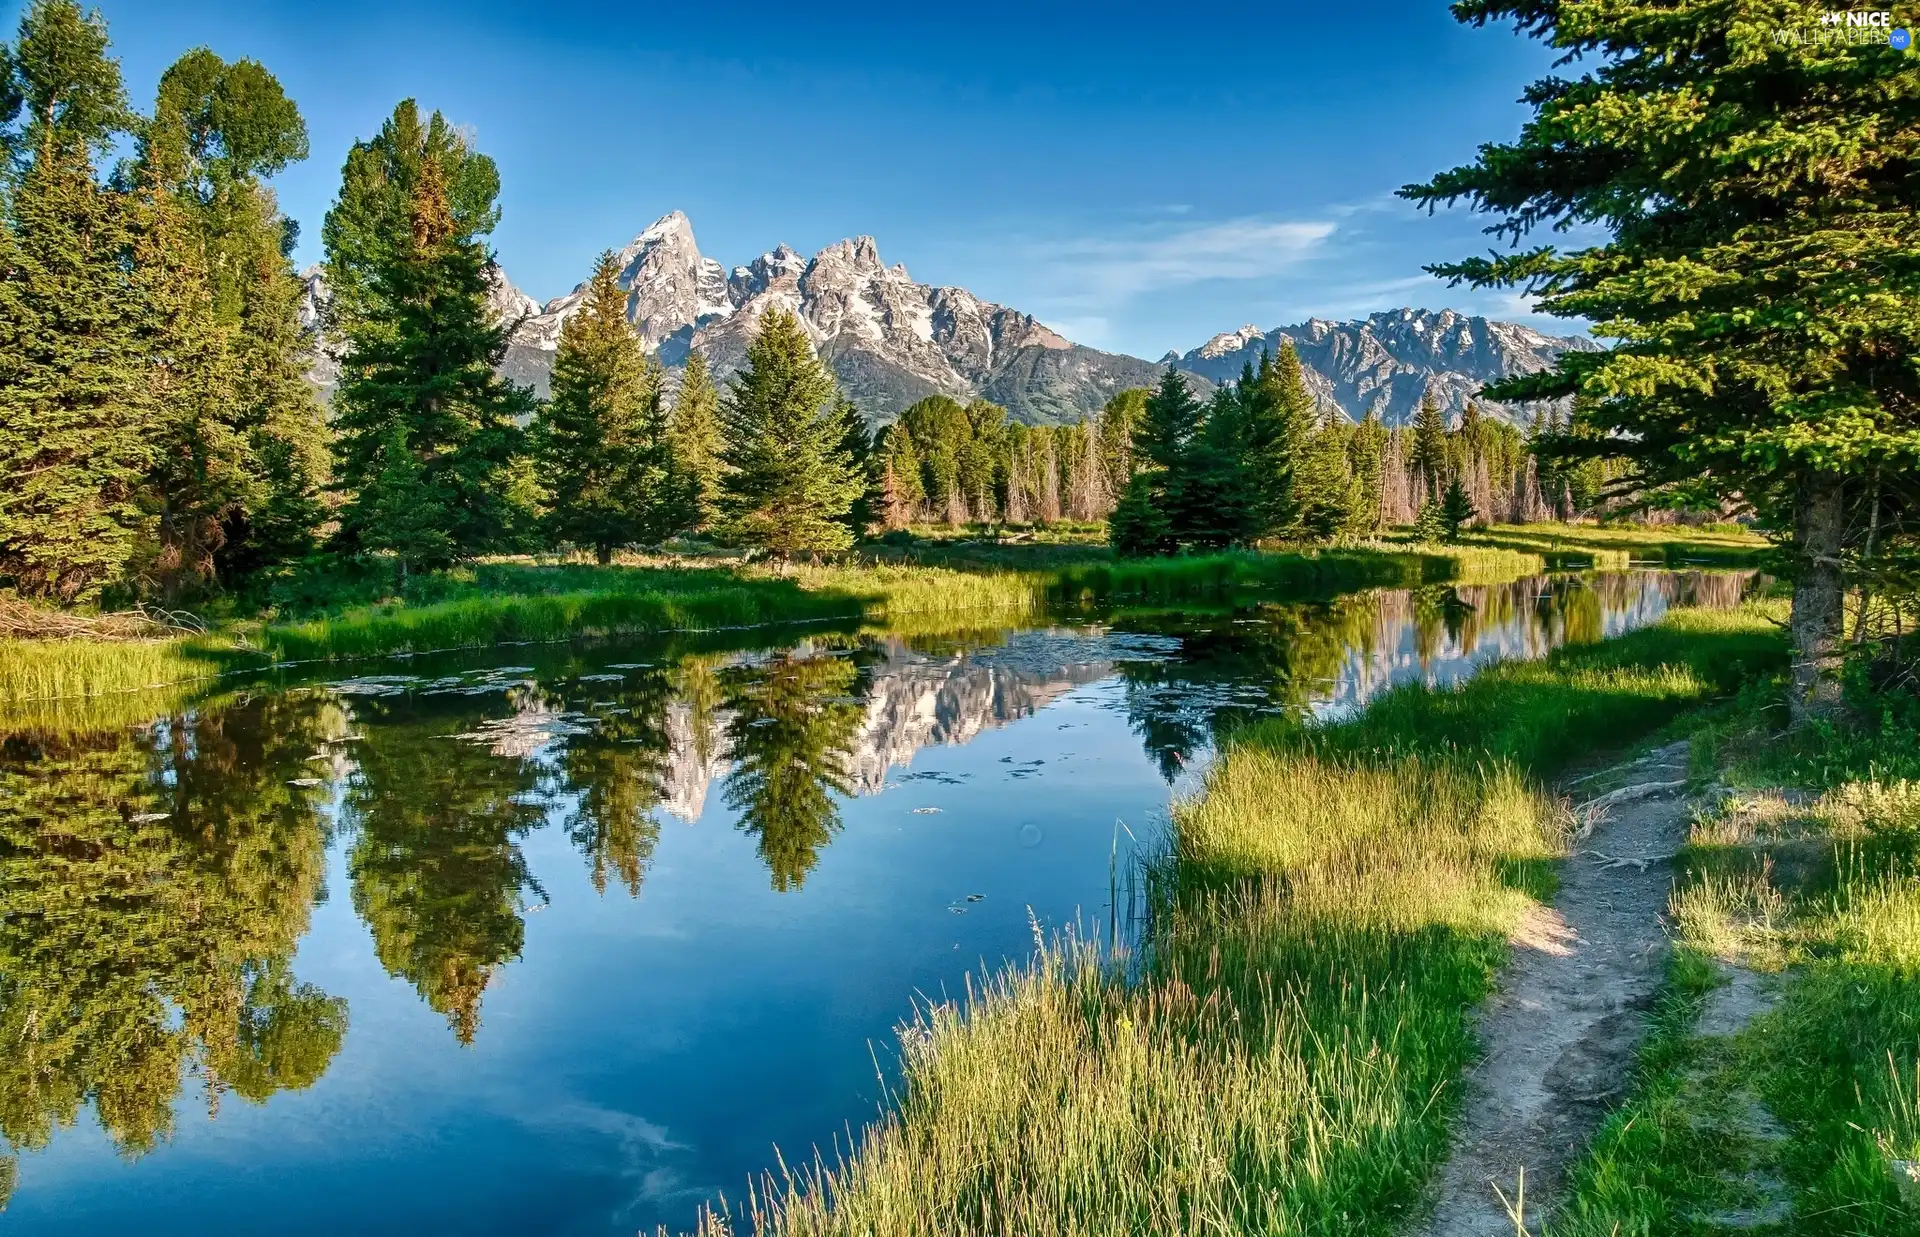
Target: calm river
567,939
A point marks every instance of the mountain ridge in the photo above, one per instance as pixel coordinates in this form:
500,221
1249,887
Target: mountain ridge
891,340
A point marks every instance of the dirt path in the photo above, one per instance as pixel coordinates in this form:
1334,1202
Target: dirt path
1560,1032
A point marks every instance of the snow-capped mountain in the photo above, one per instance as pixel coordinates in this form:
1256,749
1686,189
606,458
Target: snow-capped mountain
1388,362
888,339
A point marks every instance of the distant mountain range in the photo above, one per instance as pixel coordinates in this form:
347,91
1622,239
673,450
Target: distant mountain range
891,341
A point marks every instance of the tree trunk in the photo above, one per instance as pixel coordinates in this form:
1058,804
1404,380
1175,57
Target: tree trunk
1819,596
603,554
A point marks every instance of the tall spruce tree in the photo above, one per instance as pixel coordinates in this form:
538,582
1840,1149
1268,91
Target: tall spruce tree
419,374
1277,416
1326,494
790,484
696,439
1756,195
1427,455
901,493
610,464
1152,516
202,470
75,406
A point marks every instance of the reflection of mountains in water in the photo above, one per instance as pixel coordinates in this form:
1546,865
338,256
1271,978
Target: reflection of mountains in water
915,699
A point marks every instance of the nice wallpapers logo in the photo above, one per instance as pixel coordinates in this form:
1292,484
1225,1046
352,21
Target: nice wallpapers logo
1860,27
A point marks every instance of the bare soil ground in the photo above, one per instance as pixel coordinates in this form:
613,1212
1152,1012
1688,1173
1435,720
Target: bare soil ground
1560,1033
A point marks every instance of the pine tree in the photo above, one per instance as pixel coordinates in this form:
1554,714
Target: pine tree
790,485
902,493
1427,458
696,439
1115,431
1325,492
1146,520
1277,419
202,473
75,413
1138,526
1430,525
1455,510
1366,455
857,448
609,465
1742,268
419,370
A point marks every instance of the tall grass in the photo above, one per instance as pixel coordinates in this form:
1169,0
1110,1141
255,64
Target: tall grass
1615,547
1281,1058
500,603
44,669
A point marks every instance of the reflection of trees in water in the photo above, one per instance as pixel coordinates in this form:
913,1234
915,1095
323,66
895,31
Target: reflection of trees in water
791,732
1309,655
438,874
617,771
1274,659
156,883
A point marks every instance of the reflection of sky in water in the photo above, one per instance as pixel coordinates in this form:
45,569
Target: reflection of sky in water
634,1053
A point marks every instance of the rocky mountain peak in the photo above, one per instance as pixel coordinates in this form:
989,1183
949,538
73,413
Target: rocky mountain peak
1230,341
1388,362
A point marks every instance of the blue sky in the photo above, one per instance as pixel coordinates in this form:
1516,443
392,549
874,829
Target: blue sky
1139,178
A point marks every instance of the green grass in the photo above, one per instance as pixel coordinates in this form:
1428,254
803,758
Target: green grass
496,603
46,669
1282,1056
1615,547
1810,869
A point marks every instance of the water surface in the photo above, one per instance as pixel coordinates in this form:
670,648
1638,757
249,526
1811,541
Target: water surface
567,939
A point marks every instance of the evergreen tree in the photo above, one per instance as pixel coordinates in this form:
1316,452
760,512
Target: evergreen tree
696,439
1430,525
419,370
1325,493
1139,526
1115,436
1277,417
1455,510
370,228
1367,456
75,413
857,448
790,483
1746,268
1427,459
604,438
901,490
202,473
1166,426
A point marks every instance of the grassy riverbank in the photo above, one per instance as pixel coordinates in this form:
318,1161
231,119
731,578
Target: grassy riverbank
498,603
1282,1056
1797,907
1617,547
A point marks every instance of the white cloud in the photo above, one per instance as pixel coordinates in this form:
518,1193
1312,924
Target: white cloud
1099,270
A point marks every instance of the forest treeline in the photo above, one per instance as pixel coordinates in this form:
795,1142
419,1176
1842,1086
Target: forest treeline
161,437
